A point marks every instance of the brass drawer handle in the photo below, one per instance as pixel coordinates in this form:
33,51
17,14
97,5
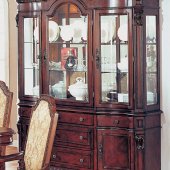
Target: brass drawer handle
116,122
81,160
82,119
81,137
54,156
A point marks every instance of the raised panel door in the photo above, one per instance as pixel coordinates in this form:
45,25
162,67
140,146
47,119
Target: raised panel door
115,150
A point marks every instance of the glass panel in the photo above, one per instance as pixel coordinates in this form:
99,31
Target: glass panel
68,54
151,60
114,58
31,52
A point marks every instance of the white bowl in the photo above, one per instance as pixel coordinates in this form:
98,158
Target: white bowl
79,89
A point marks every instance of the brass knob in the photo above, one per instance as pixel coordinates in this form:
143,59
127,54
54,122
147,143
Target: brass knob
81,160
81,119
81,138
116,122
54,156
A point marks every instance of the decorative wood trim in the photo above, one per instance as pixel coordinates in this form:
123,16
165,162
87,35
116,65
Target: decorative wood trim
138,15
139,2
140,142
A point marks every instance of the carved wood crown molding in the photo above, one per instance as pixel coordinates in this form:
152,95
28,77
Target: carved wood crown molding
138,15
26,1
139,2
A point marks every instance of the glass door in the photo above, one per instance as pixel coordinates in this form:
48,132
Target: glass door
113,58
68,54
151,61
29,47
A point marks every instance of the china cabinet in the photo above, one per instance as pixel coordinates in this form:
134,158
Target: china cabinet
100,60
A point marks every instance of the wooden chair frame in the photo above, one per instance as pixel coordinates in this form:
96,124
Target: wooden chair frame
51,134
9,96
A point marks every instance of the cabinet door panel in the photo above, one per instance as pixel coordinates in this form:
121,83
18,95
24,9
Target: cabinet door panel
114,150
113,58
29,55
68,53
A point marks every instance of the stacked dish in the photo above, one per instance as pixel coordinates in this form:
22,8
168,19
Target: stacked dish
76,31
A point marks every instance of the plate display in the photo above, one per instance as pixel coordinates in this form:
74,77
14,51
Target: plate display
53,31
107,32
66,32
123,32
79,31
36,33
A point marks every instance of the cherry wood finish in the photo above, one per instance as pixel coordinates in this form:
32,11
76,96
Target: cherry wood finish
95,135
6,136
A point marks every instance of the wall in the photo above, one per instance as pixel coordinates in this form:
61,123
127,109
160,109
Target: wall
165,83
13,57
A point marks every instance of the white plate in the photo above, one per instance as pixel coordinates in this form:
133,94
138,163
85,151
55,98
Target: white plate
79,31
66,32
53,31
123,65
36,33
123,32
107,32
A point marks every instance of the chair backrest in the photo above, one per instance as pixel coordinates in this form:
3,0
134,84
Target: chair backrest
41,133
5,104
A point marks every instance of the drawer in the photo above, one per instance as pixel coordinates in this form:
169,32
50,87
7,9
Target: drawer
71,158
114,121
75,118
73,135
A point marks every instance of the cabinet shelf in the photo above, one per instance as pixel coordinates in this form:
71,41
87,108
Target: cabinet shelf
68,42
115,43
61,70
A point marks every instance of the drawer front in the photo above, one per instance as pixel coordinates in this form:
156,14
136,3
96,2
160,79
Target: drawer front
75,118
74,135
114,121
71,158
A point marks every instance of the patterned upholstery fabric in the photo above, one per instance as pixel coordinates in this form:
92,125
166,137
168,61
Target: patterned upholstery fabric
37,137
3,100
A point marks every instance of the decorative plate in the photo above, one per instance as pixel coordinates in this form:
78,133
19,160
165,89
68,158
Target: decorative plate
123,32
66,32
53,31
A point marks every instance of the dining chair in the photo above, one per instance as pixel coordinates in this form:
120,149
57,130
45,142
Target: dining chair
5,108
5,104
41,133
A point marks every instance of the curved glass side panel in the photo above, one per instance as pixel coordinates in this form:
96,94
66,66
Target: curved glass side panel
31,53
68,46
151,60
114,58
